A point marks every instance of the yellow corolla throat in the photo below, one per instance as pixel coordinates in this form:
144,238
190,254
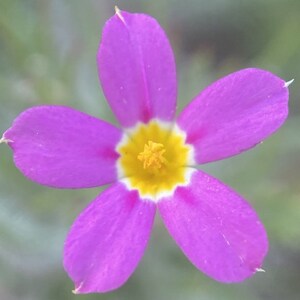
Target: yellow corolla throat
154,159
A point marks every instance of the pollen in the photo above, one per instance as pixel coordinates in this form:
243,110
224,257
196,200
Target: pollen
153,156
154,159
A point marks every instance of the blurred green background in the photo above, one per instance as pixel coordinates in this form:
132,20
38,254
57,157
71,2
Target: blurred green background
47,56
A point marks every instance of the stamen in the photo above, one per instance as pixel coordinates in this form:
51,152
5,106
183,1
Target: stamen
152,156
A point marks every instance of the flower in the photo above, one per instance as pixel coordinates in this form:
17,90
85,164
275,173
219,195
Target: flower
150,162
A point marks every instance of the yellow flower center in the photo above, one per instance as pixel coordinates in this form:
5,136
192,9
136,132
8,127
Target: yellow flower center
152,156
154,159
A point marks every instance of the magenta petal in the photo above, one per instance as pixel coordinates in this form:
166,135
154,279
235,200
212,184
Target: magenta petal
137,69
216,229
234,114
107,240
60,147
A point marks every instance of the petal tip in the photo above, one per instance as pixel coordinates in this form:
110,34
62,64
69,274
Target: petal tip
260,270
288,83
77,288
5,140
118,13
117,10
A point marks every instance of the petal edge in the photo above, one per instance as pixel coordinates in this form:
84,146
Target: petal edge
137,69
216,229
107,240
60,147
234,114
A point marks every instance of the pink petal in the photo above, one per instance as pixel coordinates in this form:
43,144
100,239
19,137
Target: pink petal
137,69
60,147
216,229
234,114
107,240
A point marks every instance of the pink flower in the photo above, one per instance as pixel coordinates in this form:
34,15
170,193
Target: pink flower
150,162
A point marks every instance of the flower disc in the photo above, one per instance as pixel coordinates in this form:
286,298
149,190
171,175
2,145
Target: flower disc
154,159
